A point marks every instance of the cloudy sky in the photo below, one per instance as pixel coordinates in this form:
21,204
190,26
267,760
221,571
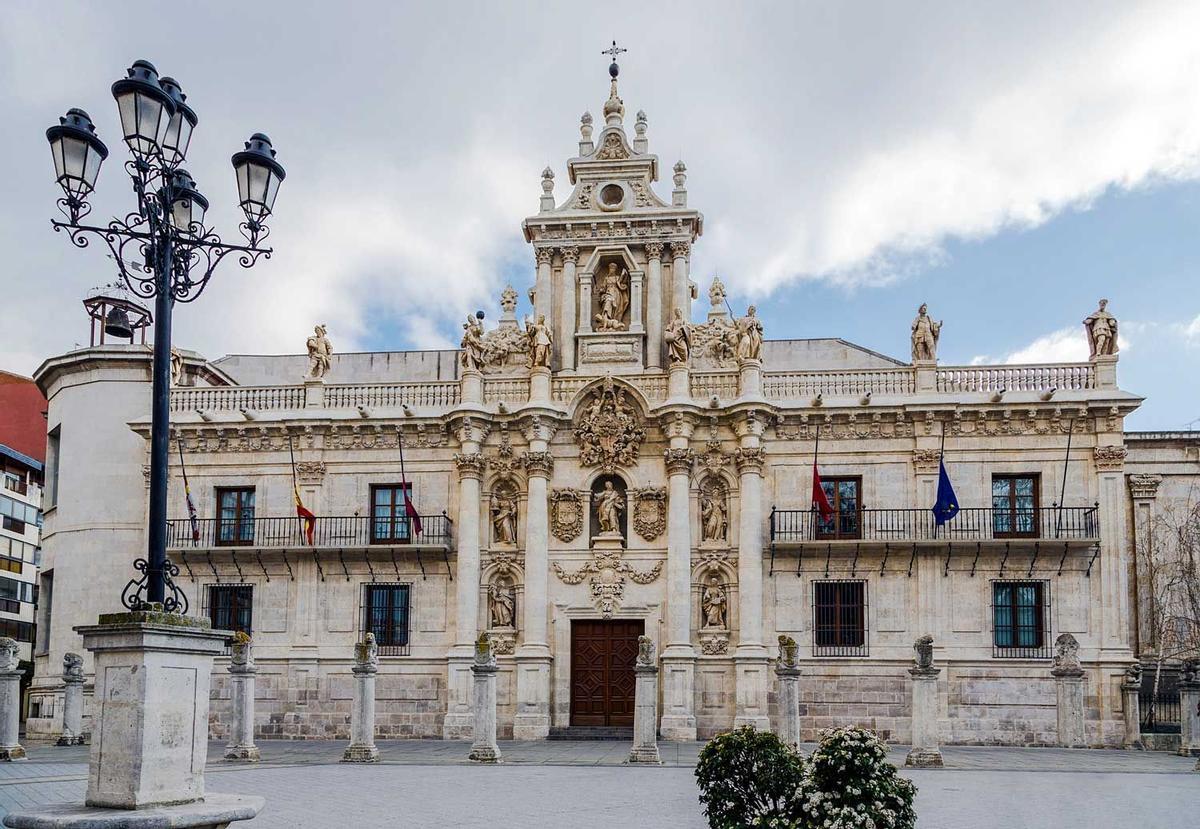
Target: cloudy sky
1009,166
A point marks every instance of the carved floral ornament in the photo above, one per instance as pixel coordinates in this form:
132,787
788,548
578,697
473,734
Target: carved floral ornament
679,461
566,514
609,431
749,459
649,511
1110,458
607,578
1144,486
470,465
310,472
926,461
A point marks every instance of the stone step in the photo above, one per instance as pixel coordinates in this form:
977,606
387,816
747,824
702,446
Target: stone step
580,732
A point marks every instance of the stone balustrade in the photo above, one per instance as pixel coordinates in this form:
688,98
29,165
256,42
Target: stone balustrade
803,385
1061,376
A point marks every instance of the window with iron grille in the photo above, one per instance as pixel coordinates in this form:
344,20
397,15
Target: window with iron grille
235,515
1014,506
386,613
1021,619
389,520
231,607
845,496
840,618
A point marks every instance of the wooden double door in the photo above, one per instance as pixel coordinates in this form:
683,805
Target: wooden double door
602,678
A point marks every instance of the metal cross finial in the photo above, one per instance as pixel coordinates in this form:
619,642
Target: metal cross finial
613,51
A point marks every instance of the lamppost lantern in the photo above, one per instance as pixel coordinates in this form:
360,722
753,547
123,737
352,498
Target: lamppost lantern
162,250
146,109
78,153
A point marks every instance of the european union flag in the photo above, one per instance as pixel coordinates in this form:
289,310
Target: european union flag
946,506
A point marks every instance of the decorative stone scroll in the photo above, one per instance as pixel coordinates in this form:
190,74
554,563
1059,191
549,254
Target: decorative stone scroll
566,514
609,432
607,578
649,511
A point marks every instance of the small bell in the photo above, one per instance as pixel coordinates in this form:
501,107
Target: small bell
116,323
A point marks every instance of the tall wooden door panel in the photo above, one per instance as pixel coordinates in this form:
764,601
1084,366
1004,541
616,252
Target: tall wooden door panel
602,679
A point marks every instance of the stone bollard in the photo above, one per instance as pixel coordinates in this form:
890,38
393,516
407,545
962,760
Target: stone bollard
241,747
484,748
926,749
10,701
1189,709
362,748
645,706
788,672
1068,676
1131,686
72,728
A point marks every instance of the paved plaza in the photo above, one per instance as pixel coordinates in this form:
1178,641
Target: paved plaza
585,785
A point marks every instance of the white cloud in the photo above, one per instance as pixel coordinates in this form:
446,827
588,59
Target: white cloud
1191,331
1067,345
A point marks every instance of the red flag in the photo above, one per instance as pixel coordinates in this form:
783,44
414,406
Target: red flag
819,498
411,512
303,513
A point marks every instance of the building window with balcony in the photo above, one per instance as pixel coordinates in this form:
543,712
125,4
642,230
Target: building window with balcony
844,496
231,607
389,522
385,614
1015,506
1021,619
235,515
840,618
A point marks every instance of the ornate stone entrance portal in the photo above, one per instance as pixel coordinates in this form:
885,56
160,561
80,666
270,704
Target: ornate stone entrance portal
602,680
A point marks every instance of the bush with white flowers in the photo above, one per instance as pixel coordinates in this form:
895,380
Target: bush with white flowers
848,783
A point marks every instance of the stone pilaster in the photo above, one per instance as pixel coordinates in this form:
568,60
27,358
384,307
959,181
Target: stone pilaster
532,718
1143,490
10,701
751,662
645,710
679,656
484,749
788,674
926,745
471,464
542,287
654,306
242,669
1189,709
72,730
679,278
362,748
585,303
570,306
1068,687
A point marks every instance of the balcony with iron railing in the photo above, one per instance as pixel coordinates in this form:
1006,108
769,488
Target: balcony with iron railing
289,533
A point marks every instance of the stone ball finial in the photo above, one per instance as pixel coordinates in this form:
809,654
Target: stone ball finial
680,173
547,181
641,124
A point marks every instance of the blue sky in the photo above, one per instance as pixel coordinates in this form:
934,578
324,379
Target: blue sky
1009,164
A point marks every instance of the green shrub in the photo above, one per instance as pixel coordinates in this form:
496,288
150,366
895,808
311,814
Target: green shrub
748,778
848,783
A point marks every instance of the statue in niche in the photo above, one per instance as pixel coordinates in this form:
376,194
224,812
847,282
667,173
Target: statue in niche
925,333
504,518
502,605
750,336
714,515
714,601
613,298
679,339
540,340
472,344
320,354
609,505
1101,328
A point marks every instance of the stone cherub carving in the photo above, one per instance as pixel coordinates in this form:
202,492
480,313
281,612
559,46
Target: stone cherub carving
609,505
923,652
714,516
72,667
320,353
715,603
613,298
787,651
925,333
1101,328
366,652
9,654
502,606
678,337
504,518
645,654
472,344
1066,653
540,340
750,336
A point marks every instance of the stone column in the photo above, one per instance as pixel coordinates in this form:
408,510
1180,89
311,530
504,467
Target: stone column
679,279
645,706
1068,680
242,669
532,718
470,382
362,748
750,657
1131,685
654,305
543,293
470,463
679,657
585,303
1189,709
72,730
570,304
750,379
788,672
539,385
10,701
679,381
926,746
484,748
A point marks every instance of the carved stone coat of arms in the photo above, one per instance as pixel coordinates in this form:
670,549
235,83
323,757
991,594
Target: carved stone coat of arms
609,430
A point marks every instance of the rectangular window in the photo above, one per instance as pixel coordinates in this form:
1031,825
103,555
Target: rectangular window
15,482
17,591
389,523
50,491
385,614
844,496
1021,619
840,618
230,607
11,565
1015,506
21,631
44,607
235,515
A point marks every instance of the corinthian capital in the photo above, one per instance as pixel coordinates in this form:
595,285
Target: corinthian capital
679,461
749,459
1144,486
543,255
680,249
654,250
570,253
538,463
470,465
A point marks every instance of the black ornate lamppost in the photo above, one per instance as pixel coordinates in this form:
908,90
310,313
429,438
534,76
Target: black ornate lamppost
163,251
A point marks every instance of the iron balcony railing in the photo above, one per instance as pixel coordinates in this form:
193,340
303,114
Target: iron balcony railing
911,525
328,531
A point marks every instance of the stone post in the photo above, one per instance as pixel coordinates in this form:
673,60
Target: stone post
539,385
10,701
788,672
570,306
926,751
543,292
484,749
1189,709
470,463
153,677
679,657
1106,371
679,383
471,386
926,376
314,392
750,379
362,748
532,718
645,706
72,731
1068,676
242,669
1131,685
654,304
751,662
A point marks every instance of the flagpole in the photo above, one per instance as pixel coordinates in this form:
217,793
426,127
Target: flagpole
812,486
295,484
187,494
1063,495
941,465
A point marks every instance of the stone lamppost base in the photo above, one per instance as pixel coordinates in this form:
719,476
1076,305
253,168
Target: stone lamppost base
485,754
924,759
12,753
645,755
242,754
215,811
361,754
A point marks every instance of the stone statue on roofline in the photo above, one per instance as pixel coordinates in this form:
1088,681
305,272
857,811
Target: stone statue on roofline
750,336
471,355
679,339
540,340
925,333
1101,328
320,354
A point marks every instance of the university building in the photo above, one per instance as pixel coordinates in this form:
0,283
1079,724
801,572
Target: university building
618,463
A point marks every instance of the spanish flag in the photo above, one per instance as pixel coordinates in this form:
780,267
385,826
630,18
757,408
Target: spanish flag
305,515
